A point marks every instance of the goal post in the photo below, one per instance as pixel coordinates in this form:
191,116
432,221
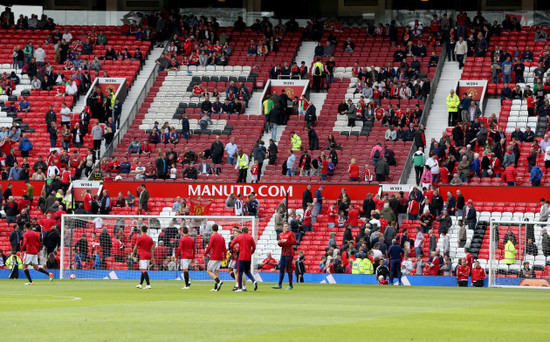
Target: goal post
100,246
521,263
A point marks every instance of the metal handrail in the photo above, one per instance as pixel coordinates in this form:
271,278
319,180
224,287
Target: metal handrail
125,126
425,113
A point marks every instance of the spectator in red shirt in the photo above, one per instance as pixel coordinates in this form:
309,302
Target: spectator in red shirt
332,216
353,170
88,201
478,274
307,222
353,217
269,263
462,273
48,223
160,255
433,266
324,168
118,249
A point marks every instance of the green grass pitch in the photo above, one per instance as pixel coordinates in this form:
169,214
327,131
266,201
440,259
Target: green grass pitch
114,310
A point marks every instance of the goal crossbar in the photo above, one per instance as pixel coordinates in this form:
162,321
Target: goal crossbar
88,218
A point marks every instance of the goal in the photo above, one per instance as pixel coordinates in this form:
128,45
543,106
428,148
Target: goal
100,246
521,263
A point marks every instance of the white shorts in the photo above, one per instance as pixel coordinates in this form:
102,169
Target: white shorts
30,259
184,263
214,265
144,265
232,264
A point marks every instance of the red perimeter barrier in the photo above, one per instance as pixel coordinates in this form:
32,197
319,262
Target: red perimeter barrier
222,190
277,191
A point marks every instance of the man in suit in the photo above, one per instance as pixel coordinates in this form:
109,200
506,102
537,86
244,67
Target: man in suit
162,169
470,217
105,206
143,197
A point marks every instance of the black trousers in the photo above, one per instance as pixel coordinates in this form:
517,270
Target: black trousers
460,59
242,175
317,83
418,173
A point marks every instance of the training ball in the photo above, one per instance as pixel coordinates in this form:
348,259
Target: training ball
380,278
72,276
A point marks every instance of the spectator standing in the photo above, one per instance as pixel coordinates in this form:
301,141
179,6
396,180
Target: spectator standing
143,194
461,49
97,135
242,166
231,149
16,238
452,108
470,217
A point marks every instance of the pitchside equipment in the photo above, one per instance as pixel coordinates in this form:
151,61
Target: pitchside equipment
101,245
509,274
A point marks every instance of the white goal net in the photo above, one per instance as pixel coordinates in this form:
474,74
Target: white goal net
100,246
517,255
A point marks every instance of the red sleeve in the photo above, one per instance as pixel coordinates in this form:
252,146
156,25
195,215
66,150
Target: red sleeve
24,246
292,241
193,249
224,249
209,248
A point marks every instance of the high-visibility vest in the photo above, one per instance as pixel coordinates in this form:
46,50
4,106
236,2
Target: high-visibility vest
367,266
510,253
10,262
452,101
243,162
318,65
68,202
357,267
296,142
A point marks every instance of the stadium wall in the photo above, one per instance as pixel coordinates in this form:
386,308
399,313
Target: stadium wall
295,190
271,277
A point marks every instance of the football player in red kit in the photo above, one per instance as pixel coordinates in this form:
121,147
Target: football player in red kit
145,248
287,240
216,249
31,247
247,246
186,253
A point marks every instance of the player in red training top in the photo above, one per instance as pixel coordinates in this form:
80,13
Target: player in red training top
247,246
478,274
216,249
31,247
287,240
186,253
462,273
145,248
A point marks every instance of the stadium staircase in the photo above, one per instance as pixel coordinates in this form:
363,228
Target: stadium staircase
135,97
306,53
437,117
